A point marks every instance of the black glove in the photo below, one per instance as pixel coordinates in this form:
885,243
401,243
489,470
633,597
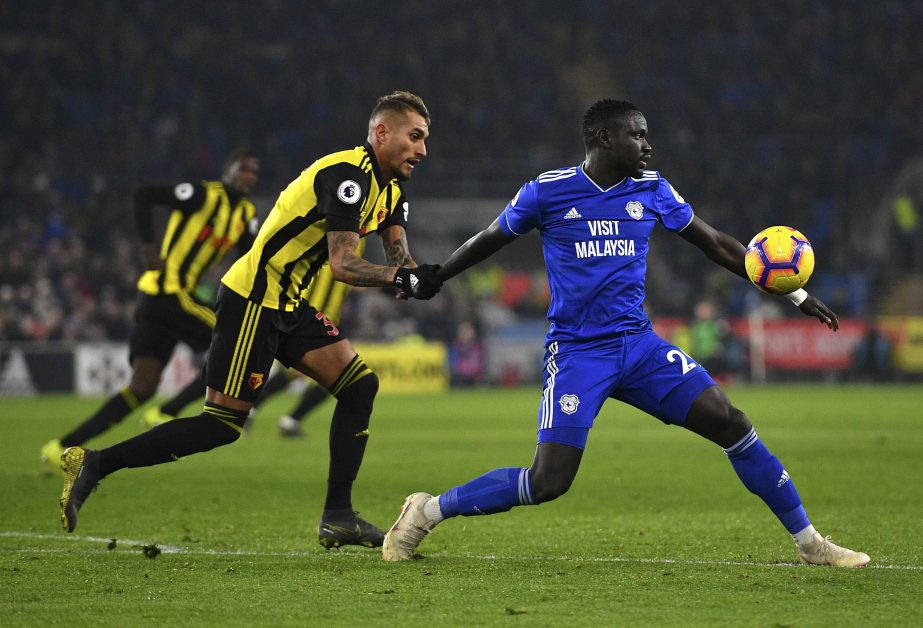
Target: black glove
420,282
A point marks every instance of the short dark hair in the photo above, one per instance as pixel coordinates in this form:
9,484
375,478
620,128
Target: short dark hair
401,101
601,114
236,155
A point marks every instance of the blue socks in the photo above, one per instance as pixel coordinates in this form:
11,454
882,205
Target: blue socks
495,491
764,476
760,471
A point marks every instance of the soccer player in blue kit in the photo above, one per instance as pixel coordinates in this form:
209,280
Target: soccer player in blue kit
595,221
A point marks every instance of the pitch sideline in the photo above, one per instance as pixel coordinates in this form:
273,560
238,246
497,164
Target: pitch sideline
125,545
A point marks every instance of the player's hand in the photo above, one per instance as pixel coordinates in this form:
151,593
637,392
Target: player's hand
152,259
420,282
812,306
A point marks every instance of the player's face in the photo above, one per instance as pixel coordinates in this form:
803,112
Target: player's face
243,174
402,144
631,151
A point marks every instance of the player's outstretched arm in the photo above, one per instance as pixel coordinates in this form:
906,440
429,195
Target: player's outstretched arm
727,251
721,248
418,282
350,268
394,241
476,249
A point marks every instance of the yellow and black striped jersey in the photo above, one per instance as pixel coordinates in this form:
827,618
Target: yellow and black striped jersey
326,294
206,221
343,191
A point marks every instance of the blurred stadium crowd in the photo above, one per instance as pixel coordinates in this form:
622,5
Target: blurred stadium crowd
794,112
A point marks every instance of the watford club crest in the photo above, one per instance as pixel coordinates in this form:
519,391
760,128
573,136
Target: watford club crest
256,380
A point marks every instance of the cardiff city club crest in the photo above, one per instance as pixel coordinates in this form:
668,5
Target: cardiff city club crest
569,403
635,209
256,380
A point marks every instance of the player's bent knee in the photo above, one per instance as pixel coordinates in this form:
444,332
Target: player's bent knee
357,382
731,424
553,470
224,431
369,385
738,421
224,425
547,487
360,392
713,416
546,491
354,405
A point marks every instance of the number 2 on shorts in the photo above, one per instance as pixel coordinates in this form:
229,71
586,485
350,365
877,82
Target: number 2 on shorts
688,364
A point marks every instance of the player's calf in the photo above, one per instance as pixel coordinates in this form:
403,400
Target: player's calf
216,426
349,430
355,391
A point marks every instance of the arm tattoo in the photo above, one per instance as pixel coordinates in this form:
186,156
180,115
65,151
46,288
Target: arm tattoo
352,269
394,242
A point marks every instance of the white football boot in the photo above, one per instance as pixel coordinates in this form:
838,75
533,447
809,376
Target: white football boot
409,530
822,551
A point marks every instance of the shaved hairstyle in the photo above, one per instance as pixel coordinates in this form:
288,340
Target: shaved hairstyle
399,102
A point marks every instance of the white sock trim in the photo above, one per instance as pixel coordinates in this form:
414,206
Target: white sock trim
432,511
806,536
743,444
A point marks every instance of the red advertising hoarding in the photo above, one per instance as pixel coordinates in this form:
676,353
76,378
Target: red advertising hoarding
790,344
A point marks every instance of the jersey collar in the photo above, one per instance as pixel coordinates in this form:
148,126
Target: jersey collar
375,167
596,185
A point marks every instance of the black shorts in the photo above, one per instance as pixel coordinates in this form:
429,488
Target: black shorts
163,320
248,337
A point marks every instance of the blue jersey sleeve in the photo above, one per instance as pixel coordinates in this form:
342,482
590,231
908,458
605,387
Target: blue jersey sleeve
521,215
675,212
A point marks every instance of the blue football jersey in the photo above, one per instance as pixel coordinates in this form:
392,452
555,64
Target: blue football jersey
595,243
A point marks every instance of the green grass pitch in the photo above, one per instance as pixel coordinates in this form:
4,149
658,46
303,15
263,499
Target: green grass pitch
656,530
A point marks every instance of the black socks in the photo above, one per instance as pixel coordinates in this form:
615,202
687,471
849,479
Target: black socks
119,406
170,441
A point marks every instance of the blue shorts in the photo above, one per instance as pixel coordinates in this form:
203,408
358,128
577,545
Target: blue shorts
641,369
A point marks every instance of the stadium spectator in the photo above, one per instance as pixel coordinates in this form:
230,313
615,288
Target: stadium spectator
872,356
713,344
466,356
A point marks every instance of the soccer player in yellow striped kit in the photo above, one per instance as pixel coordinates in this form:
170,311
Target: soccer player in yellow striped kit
319,218
206,220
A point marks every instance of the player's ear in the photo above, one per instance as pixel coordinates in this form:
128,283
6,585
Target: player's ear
381,132
602,137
